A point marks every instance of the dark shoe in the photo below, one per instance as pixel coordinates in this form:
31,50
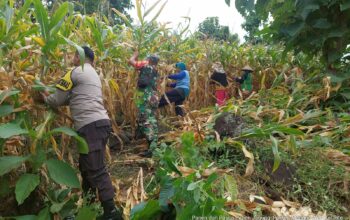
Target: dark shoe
113,215
110,212
147,154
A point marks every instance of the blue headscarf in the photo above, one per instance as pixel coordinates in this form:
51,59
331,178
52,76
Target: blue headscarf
181,66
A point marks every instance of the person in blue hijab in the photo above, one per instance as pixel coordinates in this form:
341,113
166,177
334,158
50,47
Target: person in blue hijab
180,91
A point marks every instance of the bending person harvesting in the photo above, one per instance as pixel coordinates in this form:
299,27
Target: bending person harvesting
81,89
246,81
181,89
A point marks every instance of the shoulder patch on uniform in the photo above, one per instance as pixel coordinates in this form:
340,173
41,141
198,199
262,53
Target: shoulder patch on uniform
65,82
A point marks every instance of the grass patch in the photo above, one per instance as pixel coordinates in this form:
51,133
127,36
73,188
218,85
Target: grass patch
320,183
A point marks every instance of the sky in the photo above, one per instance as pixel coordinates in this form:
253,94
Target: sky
197,10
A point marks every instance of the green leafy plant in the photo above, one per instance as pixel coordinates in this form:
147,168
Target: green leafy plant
34,159
308,26
186,195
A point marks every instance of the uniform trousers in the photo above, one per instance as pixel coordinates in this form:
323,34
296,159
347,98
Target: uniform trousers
92,165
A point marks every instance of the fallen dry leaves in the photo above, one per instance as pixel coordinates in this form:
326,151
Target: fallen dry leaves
282,208
135,194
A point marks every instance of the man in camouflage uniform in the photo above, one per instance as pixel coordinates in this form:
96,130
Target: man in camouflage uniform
146,99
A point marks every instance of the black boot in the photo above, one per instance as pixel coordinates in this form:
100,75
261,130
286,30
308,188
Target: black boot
110,211
146,153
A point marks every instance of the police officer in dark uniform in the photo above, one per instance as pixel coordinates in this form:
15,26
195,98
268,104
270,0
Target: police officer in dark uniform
81,89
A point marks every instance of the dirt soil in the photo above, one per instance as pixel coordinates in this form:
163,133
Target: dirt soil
227,124
126,164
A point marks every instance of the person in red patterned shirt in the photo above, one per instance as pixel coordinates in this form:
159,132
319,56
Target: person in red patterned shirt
147,99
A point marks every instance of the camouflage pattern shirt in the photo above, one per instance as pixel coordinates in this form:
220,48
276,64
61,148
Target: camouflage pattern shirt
146,101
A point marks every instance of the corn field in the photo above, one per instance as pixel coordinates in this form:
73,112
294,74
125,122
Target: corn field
294,109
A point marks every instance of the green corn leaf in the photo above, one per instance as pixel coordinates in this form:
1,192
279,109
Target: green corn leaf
159,11
23,10
8,13
125,19
44,88
42,17
276,154
292,144
53,33
254,132
288,130
151,8
187,27
60,13
78,48
139,12
25,185
231,186
94,26
152,36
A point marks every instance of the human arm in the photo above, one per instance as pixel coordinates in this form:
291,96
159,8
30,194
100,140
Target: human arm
59,98
238,79
243,78
62,93
177,76
133,59
172,85
245,75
